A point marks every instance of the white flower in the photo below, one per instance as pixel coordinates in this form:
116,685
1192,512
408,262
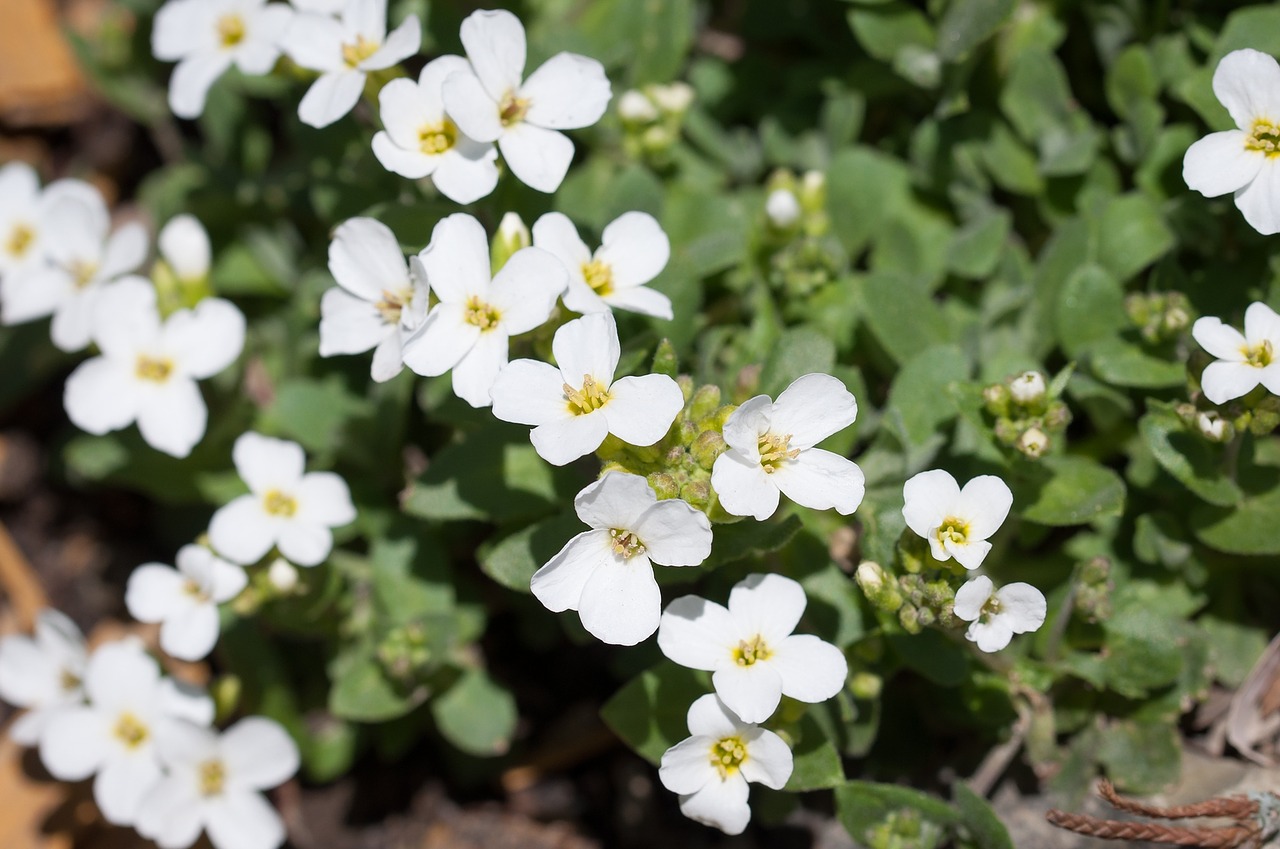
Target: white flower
711,769
492,103
577,404
148,369
468,330
344,50
782,208
1244,361
320,7
43,673
997,616
633,251
377,303
750,649
185,600
84,258
771,451
113,735
213,784
206,37
1242,161
184,246
955,521
27,223
1028,387
286,507
606,573
420,140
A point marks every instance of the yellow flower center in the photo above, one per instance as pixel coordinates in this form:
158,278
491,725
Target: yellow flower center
213,775
512,109
775,450
191,588
69,681
482,315
354,54
154,369
599,276
591,397
750,651
82,272
130,731
1260,355
21,237
230,30
626,544
1264,137
278,503
392,304
953,530
435,139
728,754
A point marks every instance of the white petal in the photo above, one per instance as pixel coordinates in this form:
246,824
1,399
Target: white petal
697,633
184,244
154,592
258,753
812,408
529,392
567,92
752,692
1261,324
305,543
639,299
315,43
413,164
468,172
636,249
125,250
366,260
686,767
475,373
968,554
821,480
564,440
28,728
769,605
558,584
1220,163
324,497
388,358
471,107
405,107
402,43
173,419
769,760
241,532
617,500
990,636
192,78
1260,200
1248,84
743,487
77,320
555,233
171,814
720,804
1223,381
350,325
971,597
495,44
244,821
709,717
1022,606
367,18
27,679
121,785
457,260
930,498
589,346
1221,340
538,157
745,426
674,533
176,29
581,298
125,319
28,295
1271,378
984,502
192,635
101,396
812,670
74,743
621,602
178,700
526,289
333,95
266,463
229,580
207,339
444,338
119,675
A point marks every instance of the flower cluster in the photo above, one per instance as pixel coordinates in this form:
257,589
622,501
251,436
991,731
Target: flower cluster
1026,412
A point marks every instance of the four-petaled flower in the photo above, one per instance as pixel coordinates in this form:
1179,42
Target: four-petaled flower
1243,361
43,673
711,769
1243,160
148,369
287,507
214,783
184,600
468,330
206,37
633,250
956,522
606,573
750,649
421,140
577,403
377,301
344,50
27,222
771,451
998,614
491,102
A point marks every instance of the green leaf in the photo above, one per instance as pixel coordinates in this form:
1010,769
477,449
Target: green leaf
968,23
1141,757
739,540
885,30
975,251
864,188
1132,234
861,806
314,412
1195,463
920,400
1037,100
649,712
650,39
799,351
1092,291
903,317
816,762
512,560
411,579
361,690
940,660
1123,363
1249,527
1068,490
977,818
476,715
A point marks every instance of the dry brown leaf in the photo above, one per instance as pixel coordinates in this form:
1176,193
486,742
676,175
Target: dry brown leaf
40,83
28,803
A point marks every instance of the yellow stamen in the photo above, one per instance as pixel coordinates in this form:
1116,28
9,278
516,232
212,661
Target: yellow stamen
231,30
1260,355
482,315
750,651
82,272
512,109
435,139
154,369
728,754
1264,137
213,775
775,450
626,544
354,54
591,397
278,503
20,240
953,530
392,304
69,681
599,276
130,731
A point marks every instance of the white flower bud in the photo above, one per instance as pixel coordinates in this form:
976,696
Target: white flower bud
675,98
513,233
635,108
1028,387
1213,427
1033,442
813,182
870,576
282,575
783,209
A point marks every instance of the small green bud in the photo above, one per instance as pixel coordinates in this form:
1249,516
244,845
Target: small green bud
512,236
1007,431
704,402
909,617
697,493
866,685
706,448
1057,416
664,485
1095,571
665,360
996,397
878,586
225,692
685,382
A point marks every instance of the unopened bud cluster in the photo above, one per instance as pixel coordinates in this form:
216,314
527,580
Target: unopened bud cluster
1025,414
1094,590
917,601
796,249
1159,316
652,118
404,653
1257,413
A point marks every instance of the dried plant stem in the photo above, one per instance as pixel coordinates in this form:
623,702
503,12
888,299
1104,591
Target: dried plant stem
1227,837
1232,807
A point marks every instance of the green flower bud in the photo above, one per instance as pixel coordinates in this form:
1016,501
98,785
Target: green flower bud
706,448
866,686
512,236
996,397
878,586
685,382
665,360
704,402
697,493
225,692
664,485
1057,416
909,618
